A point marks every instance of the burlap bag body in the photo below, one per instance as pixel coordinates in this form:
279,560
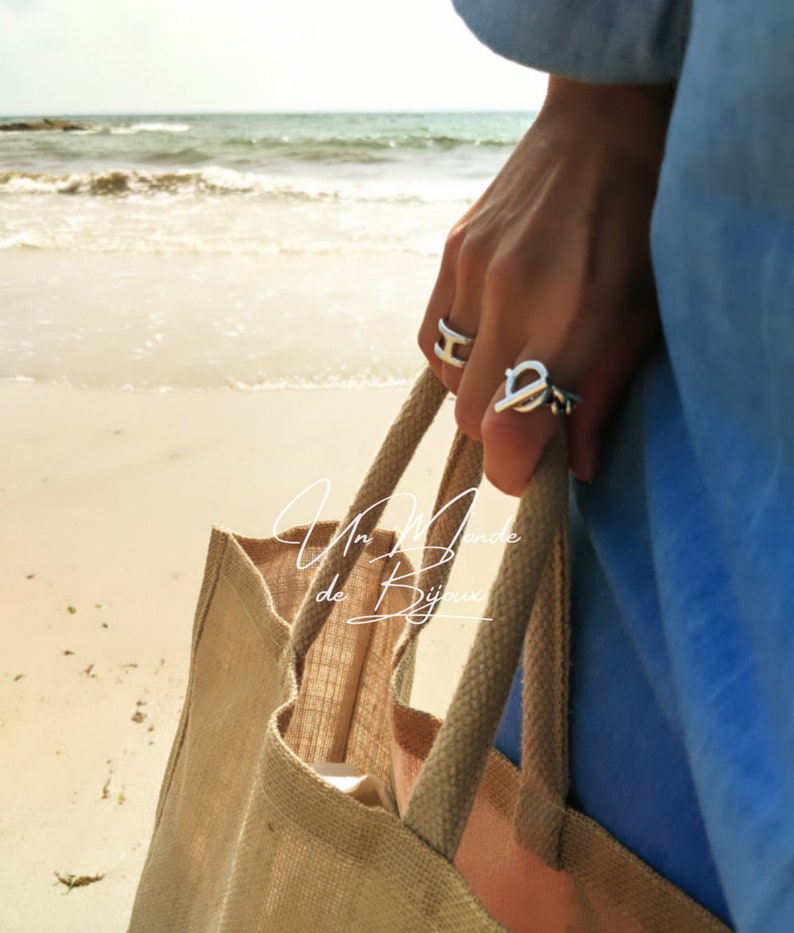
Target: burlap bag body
248,837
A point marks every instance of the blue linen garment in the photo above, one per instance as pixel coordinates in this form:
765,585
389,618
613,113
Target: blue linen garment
682,678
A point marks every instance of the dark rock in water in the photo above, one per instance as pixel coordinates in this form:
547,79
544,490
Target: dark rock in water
26,126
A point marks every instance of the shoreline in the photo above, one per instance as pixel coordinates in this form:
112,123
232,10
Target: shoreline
108,498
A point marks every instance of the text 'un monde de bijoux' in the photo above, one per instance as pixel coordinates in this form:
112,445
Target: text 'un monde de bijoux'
415,587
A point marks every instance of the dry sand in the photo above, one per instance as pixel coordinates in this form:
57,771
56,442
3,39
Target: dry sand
106,503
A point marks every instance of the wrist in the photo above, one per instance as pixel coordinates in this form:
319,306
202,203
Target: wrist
631,101
632,116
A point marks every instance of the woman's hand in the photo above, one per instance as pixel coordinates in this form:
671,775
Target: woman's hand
553,264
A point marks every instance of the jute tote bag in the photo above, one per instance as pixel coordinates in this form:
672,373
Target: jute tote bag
444,834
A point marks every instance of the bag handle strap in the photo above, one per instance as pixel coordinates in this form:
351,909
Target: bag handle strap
544,732
463,471
447,783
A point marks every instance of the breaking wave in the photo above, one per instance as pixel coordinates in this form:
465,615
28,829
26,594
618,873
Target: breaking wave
135,128
214,180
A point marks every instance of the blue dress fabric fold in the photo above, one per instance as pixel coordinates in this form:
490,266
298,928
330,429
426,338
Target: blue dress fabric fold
611,41
682,675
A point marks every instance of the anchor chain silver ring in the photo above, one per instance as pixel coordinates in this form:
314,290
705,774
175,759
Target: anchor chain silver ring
536,394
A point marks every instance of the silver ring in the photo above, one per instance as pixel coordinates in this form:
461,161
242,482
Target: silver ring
444,348
537,393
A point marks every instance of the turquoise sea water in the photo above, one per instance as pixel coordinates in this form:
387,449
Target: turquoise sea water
182,163
133,250
260,142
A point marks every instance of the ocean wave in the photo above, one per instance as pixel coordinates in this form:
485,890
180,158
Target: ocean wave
212,180
364,148
18,241
120,129
135,128
187,156
218,181
354,147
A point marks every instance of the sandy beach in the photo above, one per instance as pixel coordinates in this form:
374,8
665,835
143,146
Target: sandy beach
107,499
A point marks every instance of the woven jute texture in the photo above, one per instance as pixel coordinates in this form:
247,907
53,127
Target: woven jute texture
248,837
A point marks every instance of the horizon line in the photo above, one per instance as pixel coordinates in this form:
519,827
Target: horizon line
71,114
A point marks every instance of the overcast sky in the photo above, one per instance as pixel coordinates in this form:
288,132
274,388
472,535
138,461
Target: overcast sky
143,56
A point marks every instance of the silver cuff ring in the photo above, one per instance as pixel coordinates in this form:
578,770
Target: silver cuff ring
537,393
444,348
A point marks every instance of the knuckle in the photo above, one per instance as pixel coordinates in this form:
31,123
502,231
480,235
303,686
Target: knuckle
453,244
473,256
504,267
502,279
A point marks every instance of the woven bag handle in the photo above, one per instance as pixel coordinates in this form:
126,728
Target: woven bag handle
463,471
447,783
